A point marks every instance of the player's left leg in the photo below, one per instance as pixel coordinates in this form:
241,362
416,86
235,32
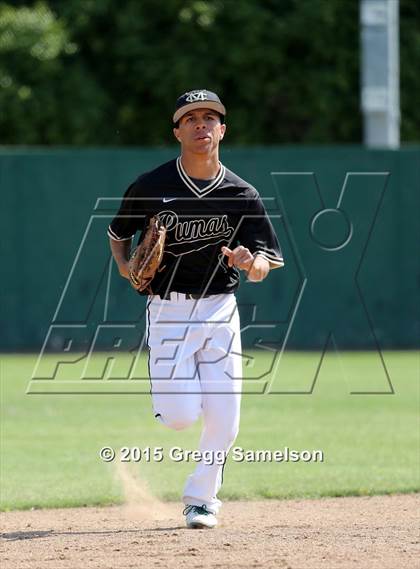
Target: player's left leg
220,371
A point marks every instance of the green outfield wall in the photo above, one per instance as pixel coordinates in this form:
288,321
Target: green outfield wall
352,272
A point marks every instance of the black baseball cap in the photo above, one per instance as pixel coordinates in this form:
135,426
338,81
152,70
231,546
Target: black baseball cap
197,99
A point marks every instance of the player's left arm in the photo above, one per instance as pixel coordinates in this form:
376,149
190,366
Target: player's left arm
259,250
257,267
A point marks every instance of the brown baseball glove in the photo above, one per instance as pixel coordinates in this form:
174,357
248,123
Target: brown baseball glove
147,257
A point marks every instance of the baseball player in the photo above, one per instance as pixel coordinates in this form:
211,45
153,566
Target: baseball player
216,226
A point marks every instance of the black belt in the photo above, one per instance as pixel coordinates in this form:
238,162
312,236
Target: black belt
188,296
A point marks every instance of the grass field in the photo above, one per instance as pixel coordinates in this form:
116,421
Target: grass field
50,443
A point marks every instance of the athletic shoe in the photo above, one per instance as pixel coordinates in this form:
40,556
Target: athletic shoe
198,517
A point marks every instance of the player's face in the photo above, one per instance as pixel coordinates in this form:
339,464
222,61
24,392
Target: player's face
200,131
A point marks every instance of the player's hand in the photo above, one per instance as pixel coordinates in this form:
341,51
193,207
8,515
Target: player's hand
240,257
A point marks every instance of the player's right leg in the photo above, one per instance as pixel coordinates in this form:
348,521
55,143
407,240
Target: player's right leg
175,384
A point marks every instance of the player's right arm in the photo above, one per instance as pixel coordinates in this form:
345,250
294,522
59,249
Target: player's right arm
122,230
121,252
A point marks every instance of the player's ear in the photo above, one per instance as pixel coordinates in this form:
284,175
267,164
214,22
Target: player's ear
222,130
176,134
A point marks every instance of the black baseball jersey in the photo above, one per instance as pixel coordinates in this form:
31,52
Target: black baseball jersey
200,217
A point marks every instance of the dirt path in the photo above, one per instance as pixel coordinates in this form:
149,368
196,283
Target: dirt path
372,533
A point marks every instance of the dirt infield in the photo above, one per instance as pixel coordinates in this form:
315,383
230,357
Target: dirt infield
369,532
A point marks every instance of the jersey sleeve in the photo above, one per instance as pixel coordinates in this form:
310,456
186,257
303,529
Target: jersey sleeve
257,234
125,223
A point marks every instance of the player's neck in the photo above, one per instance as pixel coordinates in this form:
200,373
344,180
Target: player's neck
202,167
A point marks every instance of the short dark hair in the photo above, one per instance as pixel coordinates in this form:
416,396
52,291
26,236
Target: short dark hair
221,117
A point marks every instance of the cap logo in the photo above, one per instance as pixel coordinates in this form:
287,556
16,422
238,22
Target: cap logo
196,96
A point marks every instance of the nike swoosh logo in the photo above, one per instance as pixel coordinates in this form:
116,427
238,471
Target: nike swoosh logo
166,200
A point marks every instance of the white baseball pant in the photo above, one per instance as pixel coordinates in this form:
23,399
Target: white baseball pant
195,367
